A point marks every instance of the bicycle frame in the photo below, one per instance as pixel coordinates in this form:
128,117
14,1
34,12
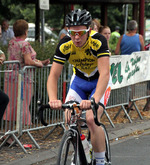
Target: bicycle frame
80,150
72,135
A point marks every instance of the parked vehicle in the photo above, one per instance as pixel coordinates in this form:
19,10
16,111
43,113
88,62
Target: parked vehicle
49,35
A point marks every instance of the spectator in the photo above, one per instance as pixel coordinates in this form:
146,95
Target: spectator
4,100
106,32
7,33
3,97
63,33
95,25
115,35
116,32
19,49
129,43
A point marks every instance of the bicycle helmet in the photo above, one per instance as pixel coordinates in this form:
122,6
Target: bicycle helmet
78,17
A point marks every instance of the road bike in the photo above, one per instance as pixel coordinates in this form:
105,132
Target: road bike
71,150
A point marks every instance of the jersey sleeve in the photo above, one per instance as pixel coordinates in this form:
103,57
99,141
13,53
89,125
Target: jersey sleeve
103,49
63,50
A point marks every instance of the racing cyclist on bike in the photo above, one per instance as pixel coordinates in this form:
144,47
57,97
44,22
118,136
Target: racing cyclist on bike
88,52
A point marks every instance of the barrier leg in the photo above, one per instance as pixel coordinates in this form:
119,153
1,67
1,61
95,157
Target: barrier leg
16,140
126,114
112,124
138,111
117,113
31,137
51,131
148,102
136,108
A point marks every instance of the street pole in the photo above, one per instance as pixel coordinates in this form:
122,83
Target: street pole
44,5
126,18
42,27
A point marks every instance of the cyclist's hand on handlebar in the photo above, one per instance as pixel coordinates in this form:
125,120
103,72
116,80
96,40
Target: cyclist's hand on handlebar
85,104
55,104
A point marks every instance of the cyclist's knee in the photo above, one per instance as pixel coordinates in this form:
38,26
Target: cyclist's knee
89,120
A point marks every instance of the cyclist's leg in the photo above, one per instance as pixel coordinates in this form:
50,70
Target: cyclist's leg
97,136
97,133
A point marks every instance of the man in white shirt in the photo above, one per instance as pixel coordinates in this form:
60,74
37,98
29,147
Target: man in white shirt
7,33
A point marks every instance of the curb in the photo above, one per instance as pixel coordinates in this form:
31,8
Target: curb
35,158
144,125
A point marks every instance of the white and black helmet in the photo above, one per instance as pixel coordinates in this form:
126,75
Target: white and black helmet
78,18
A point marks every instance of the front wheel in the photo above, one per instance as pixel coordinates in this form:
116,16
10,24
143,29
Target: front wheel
67,154
107,152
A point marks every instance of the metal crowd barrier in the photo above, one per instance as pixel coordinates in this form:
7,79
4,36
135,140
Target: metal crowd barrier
9,74
30,85
138,92
24,88
118,97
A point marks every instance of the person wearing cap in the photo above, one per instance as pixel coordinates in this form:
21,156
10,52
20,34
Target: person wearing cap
88,52
114,37
116,32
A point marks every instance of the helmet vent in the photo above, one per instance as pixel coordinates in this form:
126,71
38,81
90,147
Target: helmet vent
78,17
75,18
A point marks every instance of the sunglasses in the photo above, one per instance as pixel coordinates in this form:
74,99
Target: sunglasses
78,32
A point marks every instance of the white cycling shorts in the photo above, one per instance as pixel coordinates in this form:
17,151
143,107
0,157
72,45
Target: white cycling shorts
81,89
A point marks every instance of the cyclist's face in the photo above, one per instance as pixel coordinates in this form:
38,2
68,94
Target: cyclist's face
79,35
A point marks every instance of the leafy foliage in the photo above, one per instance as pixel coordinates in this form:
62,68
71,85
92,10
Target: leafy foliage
55,16
43,52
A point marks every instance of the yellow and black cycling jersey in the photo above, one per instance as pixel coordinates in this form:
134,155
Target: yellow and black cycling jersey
83,59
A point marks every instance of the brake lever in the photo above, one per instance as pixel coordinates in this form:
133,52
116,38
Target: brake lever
94,107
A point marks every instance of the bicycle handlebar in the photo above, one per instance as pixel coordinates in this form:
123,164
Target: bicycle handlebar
94,108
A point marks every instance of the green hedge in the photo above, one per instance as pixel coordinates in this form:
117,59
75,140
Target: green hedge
43,52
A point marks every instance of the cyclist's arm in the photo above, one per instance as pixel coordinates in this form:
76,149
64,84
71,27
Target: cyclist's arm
52,82
104,70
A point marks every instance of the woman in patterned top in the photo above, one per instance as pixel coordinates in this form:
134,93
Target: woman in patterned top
21,50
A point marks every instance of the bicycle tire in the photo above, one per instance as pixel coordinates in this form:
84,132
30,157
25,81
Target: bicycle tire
68,153
107,144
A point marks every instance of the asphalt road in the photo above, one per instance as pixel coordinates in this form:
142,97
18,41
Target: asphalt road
132,150
125,151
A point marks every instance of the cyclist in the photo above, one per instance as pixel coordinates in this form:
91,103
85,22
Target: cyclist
88,52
